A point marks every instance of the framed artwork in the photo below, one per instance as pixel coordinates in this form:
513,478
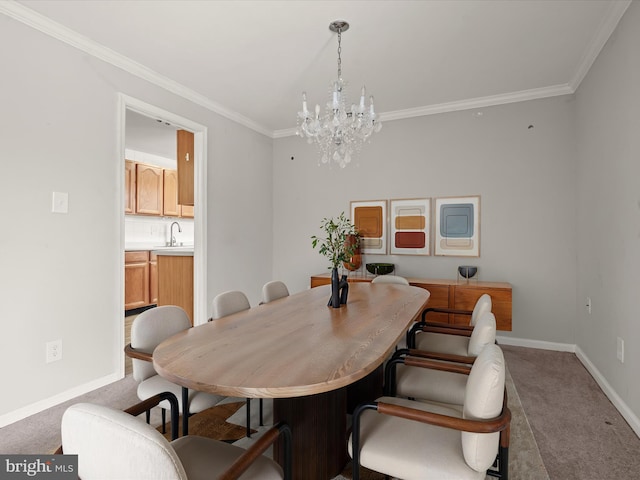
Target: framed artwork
409,226
457,226
370,219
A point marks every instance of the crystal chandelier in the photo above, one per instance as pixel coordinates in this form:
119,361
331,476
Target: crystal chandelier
341,131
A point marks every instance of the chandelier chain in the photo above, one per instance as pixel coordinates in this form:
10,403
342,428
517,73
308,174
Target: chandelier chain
339,53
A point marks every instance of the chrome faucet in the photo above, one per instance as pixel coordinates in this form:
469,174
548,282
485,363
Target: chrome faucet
173,238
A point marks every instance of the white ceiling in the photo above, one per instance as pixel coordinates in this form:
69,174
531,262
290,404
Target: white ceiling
250,60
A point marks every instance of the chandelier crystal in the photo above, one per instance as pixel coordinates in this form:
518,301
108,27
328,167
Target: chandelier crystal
341,131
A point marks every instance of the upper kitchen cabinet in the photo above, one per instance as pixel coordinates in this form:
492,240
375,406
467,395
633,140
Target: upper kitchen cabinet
186,211
185,167
129,186
171,207
149,191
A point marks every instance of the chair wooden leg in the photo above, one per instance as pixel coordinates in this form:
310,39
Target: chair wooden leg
164,421
147,416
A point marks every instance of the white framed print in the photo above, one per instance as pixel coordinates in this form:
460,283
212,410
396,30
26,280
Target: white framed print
370,220
409,226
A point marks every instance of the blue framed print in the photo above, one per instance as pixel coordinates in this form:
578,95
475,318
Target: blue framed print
457,226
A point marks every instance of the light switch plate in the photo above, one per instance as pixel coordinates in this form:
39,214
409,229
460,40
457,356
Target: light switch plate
60,202
53,351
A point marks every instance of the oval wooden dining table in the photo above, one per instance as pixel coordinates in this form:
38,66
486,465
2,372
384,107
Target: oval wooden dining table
301,353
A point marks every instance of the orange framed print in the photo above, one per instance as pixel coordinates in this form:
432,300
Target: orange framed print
409,232
457,226
370,219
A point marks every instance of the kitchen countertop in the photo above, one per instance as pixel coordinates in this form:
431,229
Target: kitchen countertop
158,249
174,251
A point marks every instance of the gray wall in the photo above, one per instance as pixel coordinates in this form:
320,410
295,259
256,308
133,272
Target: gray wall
608,132
526,178
61,273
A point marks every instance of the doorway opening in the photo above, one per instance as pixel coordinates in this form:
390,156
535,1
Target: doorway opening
148,144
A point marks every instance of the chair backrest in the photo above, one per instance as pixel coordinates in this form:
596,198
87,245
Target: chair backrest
113,444
228,303
482,305
483,334
151,328
273,291
483,399
390,279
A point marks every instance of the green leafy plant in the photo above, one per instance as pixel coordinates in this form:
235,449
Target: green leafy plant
334,245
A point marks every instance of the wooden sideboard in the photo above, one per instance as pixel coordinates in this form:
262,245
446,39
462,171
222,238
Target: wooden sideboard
451,294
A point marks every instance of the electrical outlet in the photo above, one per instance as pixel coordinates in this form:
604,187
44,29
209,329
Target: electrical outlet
53,351
589,305
620,349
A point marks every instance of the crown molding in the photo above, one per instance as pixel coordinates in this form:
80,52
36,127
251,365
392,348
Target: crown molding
287,132
480,102
470,104
60,32
605,30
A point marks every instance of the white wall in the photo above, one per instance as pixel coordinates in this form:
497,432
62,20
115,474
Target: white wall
61,273
525,177
608,132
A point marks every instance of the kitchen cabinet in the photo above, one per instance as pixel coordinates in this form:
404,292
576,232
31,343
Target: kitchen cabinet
170,207
186,211
149,189
452,294
185,159
129,186
175,281
153,278
140,279
136,279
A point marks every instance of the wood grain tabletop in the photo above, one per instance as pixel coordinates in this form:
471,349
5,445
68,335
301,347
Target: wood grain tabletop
294,346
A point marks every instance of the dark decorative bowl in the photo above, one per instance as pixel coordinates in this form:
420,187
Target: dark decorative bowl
467,271
380,268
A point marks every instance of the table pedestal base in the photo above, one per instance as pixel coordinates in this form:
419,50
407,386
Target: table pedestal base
319,429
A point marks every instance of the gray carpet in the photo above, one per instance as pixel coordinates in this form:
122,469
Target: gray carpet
580,433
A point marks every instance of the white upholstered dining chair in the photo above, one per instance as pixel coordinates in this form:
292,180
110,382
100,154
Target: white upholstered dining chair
225,304
148,330
463,343
273,291
483,305
461,440
390,279
112,444
228,303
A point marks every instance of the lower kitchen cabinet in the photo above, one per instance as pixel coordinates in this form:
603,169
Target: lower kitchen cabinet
153,278
136,279
175,282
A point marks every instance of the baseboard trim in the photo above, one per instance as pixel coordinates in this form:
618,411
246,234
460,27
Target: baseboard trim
612,395
524,342
38,407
